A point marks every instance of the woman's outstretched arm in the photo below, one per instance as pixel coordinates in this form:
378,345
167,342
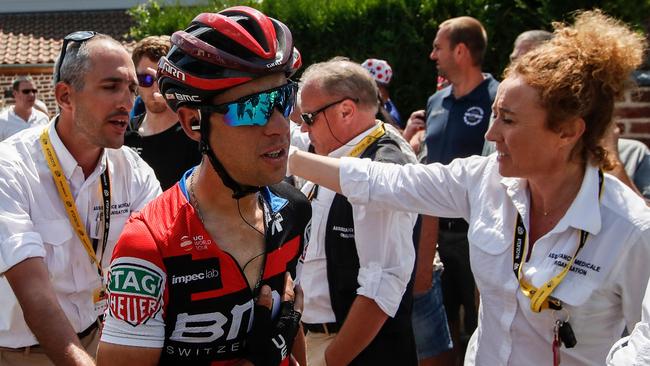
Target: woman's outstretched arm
321,170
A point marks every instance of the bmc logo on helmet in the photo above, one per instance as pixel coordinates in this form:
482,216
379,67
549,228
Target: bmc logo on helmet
183,97
169,68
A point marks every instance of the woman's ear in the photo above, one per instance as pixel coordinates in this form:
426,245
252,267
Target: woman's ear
190,120
572,130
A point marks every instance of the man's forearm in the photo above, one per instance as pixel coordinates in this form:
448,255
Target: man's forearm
363,322
43,314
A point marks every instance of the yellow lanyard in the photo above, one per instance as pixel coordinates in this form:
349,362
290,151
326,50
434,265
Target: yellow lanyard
68,201
357,150
540,298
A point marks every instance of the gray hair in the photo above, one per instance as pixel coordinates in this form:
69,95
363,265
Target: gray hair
77,61
536,36
343,78
16,83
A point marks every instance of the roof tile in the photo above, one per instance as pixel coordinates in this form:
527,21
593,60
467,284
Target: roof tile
35,38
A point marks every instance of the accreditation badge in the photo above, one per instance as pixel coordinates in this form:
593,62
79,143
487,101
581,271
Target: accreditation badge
100,300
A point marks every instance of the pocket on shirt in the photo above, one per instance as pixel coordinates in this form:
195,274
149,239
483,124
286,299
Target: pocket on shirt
55,234
490,258
488,240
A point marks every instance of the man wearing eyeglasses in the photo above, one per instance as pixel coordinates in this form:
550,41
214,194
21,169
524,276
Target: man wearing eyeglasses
66,190
22,114
218,249
358,261
156,135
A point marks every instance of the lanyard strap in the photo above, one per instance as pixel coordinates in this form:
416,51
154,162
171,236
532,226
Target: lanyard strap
540,298
357,150
65,194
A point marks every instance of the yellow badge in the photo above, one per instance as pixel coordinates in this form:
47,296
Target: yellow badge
100,300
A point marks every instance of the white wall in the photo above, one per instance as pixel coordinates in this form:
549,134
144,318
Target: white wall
20,6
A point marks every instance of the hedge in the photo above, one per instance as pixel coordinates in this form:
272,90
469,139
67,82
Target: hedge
399,31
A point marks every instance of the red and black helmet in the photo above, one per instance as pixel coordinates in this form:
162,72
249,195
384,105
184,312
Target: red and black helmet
221,50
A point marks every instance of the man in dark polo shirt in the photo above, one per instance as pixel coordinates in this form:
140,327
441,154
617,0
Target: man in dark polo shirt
457,118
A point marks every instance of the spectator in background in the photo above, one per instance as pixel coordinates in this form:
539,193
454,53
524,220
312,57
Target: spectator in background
527,41
22,114
41,106
457,118
383,73
524,43
631,161
156,135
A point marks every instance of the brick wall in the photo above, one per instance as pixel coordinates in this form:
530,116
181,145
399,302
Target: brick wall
42,82
633,114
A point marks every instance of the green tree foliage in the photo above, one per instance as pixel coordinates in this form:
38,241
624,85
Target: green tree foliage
399,31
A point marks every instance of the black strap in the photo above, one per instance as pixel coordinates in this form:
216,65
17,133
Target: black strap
239,190
106,212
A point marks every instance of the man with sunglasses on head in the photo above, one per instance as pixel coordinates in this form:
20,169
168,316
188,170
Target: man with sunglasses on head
187,270
358,262
156,135
66,190
22,114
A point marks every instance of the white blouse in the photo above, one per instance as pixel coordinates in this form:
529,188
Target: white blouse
603,290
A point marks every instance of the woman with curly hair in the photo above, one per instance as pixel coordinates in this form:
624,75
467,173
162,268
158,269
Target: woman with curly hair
559,248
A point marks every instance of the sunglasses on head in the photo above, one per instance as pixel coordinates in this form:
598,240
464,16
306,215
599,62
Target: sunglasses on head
80,37
27,91
310,118
256,109
146,80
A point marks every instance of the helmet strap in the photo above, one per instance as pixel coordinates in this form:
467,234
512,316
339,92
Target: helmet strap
239,190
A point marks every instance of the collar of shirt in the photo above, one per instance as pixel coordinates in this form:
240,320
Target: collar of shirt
67,161
584,212
348,146
475,95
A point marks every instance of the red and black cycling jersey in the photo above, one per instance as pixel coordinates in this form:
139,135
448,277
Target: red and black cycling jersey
170,286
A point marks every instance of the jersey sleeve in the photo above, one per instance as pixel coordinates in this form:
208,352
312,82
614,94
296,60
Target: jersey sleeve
137,293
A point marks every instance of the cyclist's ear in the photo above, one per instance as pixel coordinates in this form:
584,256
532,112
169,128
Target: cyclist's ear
190,121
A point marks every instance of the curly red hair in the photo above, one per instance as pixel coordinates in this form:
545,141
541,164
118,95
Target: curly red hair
580,72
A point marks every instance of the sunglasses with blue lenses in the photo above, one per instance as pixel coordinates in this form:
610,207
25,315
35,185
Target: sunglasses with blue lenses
145,80
255,109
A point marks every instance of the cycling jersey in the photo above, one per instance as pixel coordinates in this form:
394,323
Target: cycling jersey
171,286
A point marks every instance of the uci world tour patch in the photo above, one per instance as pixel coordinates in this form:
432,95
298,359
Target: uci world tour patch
135,290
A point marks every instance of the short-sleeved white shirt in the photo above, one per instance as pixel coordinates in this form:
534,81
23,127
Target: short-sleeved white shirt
603,290
34,223
11,123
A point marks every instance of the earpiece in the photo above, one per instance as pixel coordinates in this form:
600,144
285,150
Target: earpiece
196,124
